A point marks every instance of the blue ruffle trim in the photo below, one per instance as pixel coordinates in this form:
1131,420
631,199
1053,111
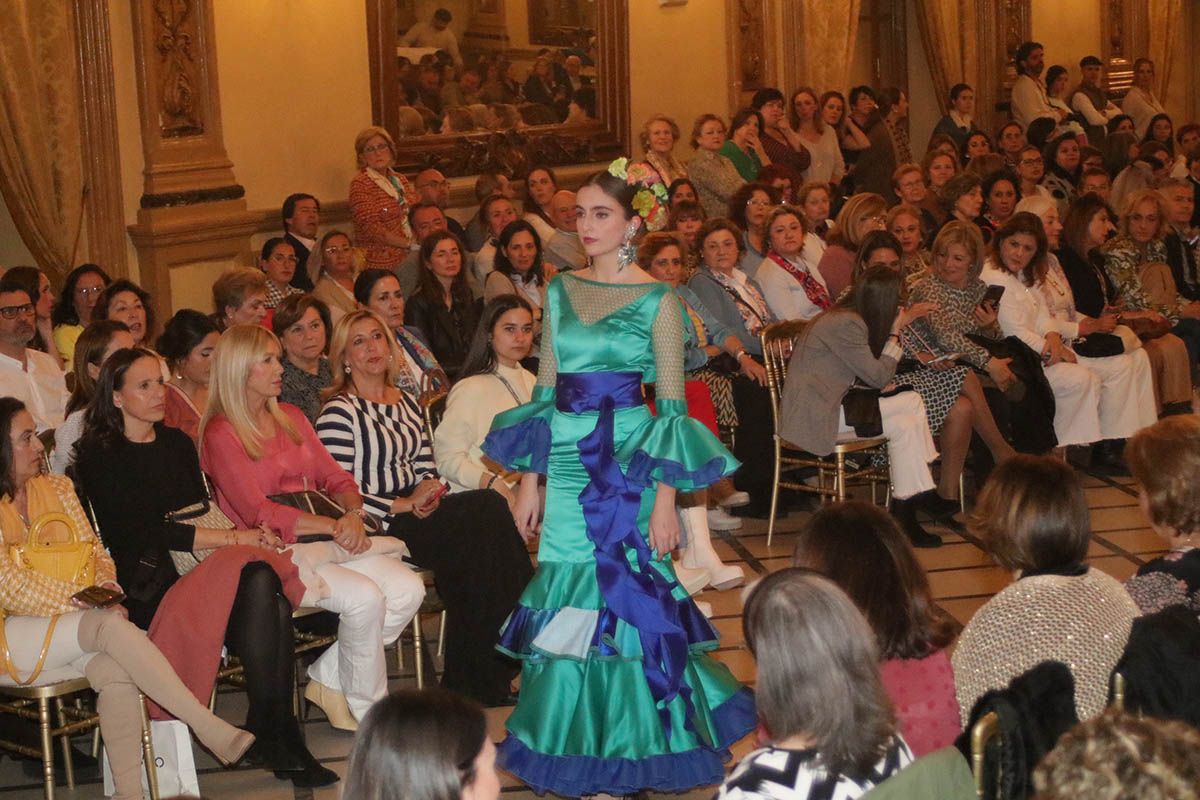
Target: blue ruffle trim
523,446
575,776
524,625
646,469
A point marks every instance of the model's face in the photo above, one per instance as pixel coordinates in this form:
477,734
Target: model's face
661,139
965,102
1012,139
911,187
252,311
1144,222
978,145
500,213
1001,200
1161,130
1067,156
1180,204
1098,184
86,293
368,349
304,339
787,235
521,251
127,307
1017,251
805,105
884,257
142,397
941,169
757,209
27,448
832,111
377,153
265,379
1053,227
907,230
338,259
600,221
685,191
280,266
816,206
16,318
305,219
512,335
969,205
1099,229
1031,167
953,266
667,265
720,251
197,367
445,260
541,187
712,135
773,113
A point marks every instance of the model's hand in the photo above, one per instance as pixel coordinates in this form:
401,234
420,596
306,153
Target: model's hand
527,507
664,523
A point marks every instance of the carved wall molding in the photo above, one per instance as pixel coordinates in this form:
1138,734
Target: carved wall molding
1124,37
751,53
104,210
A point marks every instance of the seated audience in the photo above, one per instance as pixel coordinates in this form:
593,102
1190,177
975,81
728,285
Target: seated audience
469,540
125,301
278,262
1165,462
1119,755
687,217
1095,180
779,142
433,189
814,200
254,448
520,269
748,209
859,547
681,190
379,200
1062,157
187,343
782,179
136,472
301,218
1000,196
978,145
99,341
73,311
905,222
540,186
429,745
818,136
830,728
941,143
659,135
425,218
564,250
31,376
302,326
378,290
333,272
743,146
713,175
861,214
443,308
959,122
497,212
486,185
850,126
46,630
962,197
910,188
37,285
858,340
1010,141
1140,102
1179,240
1032,516
239,298
789,278
1031,168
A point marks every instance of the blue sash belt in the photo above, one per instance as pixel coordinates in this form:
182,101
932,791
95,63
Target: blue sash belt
610,504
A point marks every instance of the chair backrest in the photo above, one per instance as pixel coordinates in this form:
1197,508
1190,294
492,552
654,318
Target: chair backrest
778,339
433,405
982,732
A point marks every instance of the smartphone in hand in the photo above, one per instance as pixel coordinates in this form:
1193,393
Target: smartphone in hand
99,597
437,495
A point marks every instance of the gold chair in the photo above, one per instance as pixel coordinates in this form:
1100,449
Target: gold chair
1118,691
982,732
19,701
778,339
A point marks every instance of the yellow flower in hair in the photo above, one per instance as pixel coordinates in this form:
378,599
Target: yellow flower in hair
618,168
644,202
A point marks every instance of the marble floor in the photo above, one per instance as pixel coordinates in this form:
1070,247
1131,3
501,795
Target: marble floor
961,574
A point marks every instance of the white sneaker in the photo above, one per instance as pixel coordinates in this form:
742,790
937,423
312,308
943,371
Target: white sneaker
721,520
735,500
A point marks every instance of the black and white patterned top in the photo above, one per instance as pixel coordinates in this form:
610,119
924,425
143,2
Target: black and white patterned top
383,446
773,773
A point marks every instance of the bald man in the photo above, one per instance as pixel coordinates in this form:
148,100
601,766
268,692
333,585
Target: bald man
433,188
563,249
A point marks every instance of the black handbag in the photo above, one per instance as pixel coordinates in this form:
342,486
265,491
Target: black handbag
860,406
1099,345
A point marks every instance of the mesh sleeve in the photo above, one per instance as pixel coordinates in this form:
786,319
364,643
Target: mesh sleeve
668,338
547,365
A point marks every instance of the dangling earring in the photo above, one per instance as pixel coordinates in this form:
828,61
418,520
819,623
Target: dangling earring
346,368
627,253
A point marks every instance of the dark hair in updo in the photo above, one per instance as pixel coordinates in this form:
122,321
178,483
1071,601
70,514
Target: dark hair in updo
617,188
183,333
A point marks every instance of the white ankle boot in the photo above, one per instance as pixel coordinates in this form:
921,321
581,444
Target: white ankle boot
692,580
699,553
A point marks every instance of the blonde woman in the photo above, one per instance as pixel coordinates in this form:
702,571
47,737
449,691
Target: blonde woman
862,213
254,447
468,539
332,269
658,137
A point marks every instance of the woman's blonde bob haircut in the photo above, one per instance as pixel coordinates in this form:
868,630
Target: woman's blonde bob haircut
366,135
1138,197
1165,461
957,232
238,350
343,382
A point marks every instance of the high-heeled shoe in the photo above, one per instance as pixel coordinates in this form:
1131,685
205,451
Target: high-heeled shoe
699,553
692,580
333,703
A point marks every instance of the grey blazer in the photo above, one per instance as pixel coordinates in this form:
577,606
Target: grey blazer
831,353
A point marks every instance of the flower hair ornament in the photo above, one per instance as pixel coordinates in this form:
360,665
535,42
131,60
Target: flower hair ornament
649,201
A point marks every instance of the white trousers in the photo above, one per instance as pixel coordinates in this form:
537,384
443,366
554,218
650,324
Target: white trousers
1126,393
1076,403
374,597
910,443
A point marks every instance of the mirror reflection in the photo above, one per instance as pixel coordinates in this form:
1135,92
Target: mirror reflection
474,66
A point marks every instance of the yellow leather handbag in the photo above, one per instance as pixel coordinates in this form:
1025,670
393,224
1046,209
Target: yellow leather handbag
72,561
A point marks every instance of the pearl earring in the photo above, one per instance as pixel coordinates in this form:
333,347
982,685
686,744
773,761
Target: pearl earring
347,369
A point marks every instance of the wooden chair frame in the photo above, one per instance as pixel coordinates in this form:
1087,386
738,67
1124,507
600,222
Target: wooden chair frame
778,339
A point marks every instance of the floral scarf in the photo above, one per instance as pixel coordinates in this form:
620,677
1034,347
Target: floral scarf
817,294
748,299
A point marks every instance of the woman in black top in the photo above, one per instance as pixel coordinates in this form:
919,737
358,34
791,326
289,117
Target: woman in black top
443,307
134,471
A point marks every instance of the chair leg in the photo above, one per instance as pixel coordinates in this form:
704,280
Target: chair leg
148,750
962,492
47,747
774,492
297,693
418,650
441,648
65,741
840,478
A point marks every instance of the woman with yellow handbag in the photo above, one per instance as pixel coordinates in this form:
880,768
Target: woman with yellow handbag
49,555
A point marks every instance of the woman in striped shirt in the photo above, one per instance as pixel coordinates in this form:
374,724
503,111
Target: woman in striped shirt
468,539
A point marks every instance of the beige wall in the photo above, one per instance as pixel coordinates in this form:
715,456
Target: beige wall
13,251
1069,30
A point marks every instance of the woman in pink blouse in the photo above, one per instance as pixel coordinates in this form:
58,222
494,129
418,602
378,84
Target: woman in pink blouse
379,201
253,447
861,549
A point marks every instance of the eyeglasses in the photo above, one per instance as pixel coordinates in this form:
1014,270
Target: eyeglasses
1032,162
333,251
758,203
375,148
1132,218
87,290
280,257
878,219
12,312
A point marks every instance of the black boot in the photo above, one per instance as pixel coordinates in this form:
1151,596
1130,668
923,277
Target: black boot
1108,459
311,774
905,512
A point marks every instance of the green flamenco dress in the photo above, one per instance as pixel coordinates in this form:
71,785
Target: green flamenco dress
618,692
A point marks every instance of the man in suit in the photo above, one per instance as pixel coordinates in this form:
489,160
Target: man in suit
301,218
1180,238
433,188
